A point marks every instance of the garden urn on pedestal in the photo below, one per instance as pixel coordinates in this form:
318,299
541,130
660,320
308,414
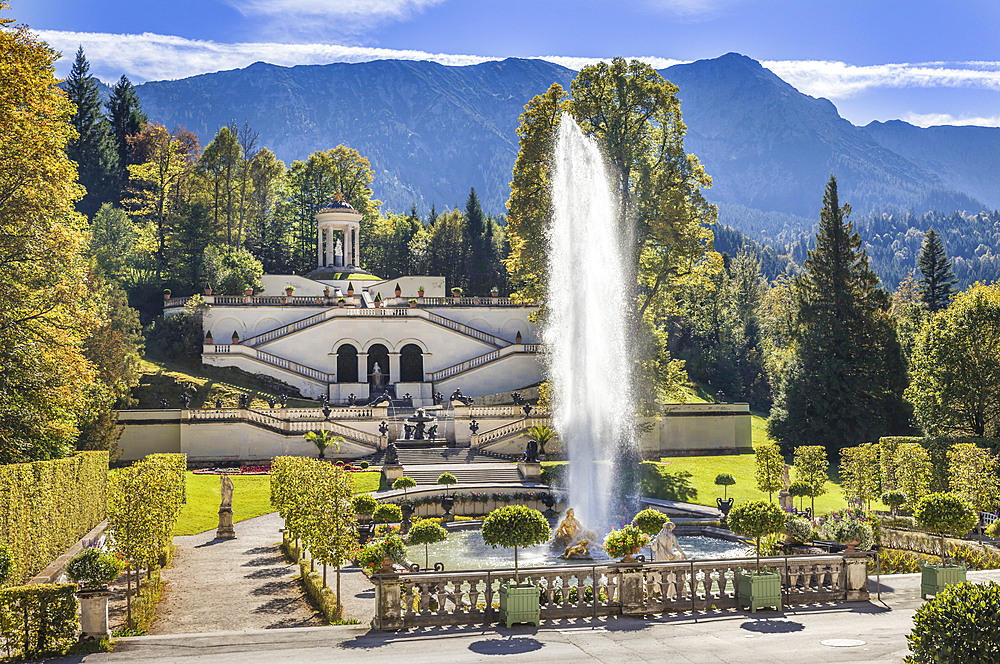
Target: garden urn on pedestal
93,569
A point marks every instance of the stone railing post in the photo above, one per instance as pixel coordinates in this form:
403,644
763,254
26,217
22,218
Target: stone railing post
856,576
474,440
388,603
630,585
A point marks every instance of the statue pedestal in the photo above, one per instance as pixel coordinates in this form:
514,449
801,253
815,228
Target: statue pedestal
392,472
530,471
93,614
383,442
785,500
225,530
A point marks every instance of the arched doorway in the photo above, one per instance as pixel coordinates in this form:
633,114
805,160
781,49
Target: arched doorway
411,364
347,364
379,354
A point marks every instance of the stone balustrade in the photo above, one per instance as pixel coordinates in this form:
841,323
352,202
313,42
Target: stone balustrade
331,301
471,597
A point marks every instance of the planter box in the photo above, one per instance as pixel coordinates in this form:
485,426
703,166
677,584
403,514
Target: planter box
934,578
758,590
519,604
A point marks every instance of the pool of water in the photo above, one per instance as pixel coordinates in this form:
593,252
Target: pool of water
467,550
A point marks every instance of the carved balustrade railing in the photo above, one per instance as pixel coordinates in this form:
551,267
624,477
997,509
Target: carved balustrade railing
610,589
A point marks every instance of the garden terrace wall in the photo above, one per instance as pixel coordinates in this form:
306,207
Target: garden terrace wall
467,598
47,506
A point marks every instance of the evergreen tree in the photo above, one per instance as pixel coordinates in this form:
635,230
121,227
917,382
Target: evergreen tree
478,251
938,279
93,150
126,119
845,380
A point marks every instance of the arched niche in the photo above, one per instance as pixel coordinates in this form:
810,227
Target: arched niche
411,364
347,364
378,354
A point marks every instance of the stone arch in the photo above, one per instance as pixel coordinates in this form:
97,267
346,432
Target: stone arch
411,340
347,363
512,326
375,341
411,364
481,325
223,330
266,325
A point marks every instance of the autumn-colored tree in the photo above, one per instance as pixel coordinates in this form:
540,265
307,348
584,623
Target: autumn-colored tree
46,308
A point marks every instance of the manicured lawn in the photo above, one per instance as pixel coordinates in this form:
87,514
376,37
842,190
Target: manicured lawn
251,497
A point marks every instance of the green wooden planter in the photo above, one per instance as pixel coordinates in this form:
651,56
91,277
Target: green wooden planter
933,578
755,591
519,604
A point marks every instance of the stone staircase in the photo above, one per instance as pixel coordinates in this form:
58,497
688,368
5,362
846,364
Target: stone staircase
468,466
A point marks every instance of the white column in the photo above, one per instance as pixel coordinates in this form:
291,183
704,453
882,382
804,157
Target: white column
348,247
362,367
356,244
343,249
319,247
393,368
329,246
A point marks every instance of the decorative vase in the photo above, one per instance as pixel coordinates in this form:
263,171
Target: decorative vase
420,293
628,558
350,292
288,292
494,293
248,292
399,292
851,545
378,304
208,291
93,614
413,305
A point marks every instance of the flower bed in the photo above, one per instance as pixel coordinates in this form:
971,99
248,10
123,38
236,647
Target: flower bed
242,470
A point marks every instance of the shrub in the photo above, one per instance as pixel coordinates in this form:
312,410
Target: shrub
945,514
364,465
177,338
757,519
650,521
975,559
894,561
46,506
958,625
447,479
364,504
725,480
555,475
799,489
798,528
387,513
993,530
94,569
895,499
625,542
513,526
38,619
6,564
231,270
849,531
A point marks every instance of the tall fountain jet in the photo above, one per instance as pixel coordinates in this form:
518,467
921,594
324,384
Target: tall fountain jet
586,330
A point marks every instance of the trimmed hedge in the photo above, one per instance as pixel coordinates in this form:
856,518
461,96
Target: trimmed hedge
324,596
38,619
47,506
958,625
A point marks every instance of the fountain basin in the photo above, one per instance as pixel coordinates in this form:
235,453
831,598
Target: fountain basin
466,550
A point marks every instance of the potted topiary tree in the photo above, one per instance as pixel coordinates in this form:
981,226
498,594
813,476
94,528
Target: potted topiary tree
426,532
364,505
895,499
403,483
341,302
378,300
516,526
447,500
494,291
326,291
93,569
650,522
289,289
166,293
350,288
757,519
399,291
725,480
385,514
943,514
799,489
420,291
412,302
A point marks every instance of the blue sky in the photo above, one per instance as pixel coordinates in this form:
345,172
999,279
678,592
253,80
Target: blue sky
928,62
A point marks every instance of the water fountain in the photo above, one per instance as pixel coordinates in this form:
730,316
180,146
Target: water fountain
586,330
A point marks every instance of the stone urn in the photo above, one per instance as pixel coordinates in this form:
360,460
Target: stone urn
93,613
447,504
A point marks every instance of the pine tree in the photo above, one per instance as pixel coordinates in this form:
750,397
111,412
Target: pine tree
93,150
938,279
478,253
845,381
126,119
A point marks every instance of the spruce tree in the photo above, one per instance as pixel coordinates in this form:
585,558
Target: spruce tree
126,118
477,251
93,150
938,279
844,382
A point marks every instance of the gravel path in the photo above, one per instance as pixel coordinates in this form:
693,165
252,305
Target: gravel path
225,585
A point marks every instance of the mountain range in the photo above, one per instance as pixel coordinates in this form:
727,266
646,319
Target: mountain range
432,131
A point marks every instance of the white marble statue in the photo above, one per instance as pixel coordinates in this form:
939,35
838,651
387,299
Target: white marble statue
665,545
377,375
227,491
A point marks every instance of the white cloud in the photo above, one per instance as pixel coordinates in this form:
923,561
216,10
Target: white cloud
689,8
150,57
350,14
935,119
838,80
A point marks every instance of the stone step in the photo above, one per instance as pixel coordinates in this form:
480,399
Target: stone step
480,474
409,456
